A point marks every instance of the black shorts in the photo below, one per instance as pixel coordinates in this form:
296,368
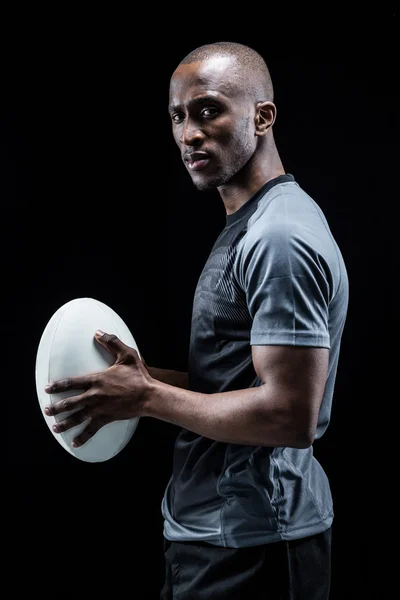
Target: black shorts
295,570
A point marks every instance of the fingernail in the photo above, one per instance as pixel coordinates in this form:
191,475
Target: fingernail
99,333
47,388
47,411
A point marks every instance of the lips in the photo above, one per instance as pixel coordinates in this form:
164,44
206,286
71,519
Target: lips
197,160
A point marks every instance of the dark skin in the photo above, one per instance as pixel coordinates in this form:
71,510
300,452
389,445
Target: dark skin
112,395
226,141
212,114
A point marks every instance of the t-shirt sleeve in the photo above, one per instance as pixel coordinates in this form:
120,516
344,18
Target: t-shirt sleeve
286,283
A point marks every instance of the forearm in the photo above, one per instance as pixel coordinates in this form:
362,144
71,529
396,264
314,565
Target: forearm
251,416
178,379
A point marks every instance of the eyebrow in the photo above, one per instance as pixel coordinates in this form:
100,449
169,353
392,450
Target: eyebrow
195,102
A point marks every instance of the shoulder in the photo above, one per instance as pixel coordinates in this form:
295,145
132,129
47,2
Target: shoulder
286,234
284,215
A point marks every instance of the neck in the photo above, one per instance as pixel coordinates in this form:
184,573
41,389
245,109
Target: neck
263,166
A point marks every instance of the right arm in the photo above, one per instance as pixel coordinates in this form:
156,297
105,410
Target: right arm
176,378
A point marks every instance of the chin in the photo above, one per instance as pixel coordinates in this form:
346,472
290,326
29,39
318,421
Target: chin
209,183
202,186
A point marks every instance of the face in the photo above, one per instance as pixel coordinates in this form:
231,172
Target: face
213,121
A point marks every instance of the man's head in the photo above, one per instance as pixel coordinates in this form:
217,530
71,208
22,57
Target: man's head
221,106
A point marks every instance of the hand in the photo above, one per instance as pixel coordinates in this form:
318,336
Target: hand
115,394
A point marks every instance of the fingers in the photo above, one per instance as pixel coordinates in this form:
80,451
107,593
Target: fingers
66,404
110,341
69,383
114,345
89,431
76,419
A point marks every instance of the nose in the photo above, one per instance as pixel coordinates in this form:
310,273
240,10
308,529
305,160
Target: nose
191,135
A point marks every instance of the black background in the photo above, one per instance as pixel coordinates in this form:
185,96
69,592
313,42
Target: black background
98,204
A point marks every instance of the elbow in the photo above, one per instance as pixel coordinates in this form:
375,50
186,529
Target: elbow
306,436
303,435
302,442
292,424
305,440
303,422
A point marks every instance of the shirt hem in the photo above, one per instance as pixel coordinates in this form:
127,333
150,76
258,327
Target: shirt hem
247,539
291,339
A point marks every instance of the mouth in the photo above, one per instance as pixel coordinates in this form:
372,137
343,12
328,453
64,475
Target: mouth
196,161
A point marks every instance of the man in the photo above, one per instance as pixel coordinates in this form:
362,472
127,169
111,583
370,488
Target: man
248,509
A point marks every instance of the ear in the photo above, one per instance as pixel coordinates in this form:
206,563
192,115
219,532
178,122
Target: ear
265,117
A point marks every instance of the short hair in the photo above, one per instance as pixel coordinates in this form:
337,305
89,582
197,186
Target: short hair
251,66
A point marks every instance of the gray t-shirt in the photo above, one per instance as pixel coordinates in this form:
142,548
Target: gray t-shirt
275,275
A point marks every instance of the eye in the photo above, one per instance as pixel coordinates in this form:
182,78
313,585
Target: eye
177,117
209,112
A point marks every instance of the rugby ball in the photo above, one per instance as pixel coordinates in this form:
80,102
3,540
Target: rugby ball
67,348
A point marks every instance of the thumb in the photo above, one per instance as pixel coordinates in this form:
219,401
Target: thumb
111,342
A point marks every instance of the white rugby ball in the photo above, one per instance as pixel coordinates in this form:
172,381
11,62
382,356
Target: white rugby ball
67,348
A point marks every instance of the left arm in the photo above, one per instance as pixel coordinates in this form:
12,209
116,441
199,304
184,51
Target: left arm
283,411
